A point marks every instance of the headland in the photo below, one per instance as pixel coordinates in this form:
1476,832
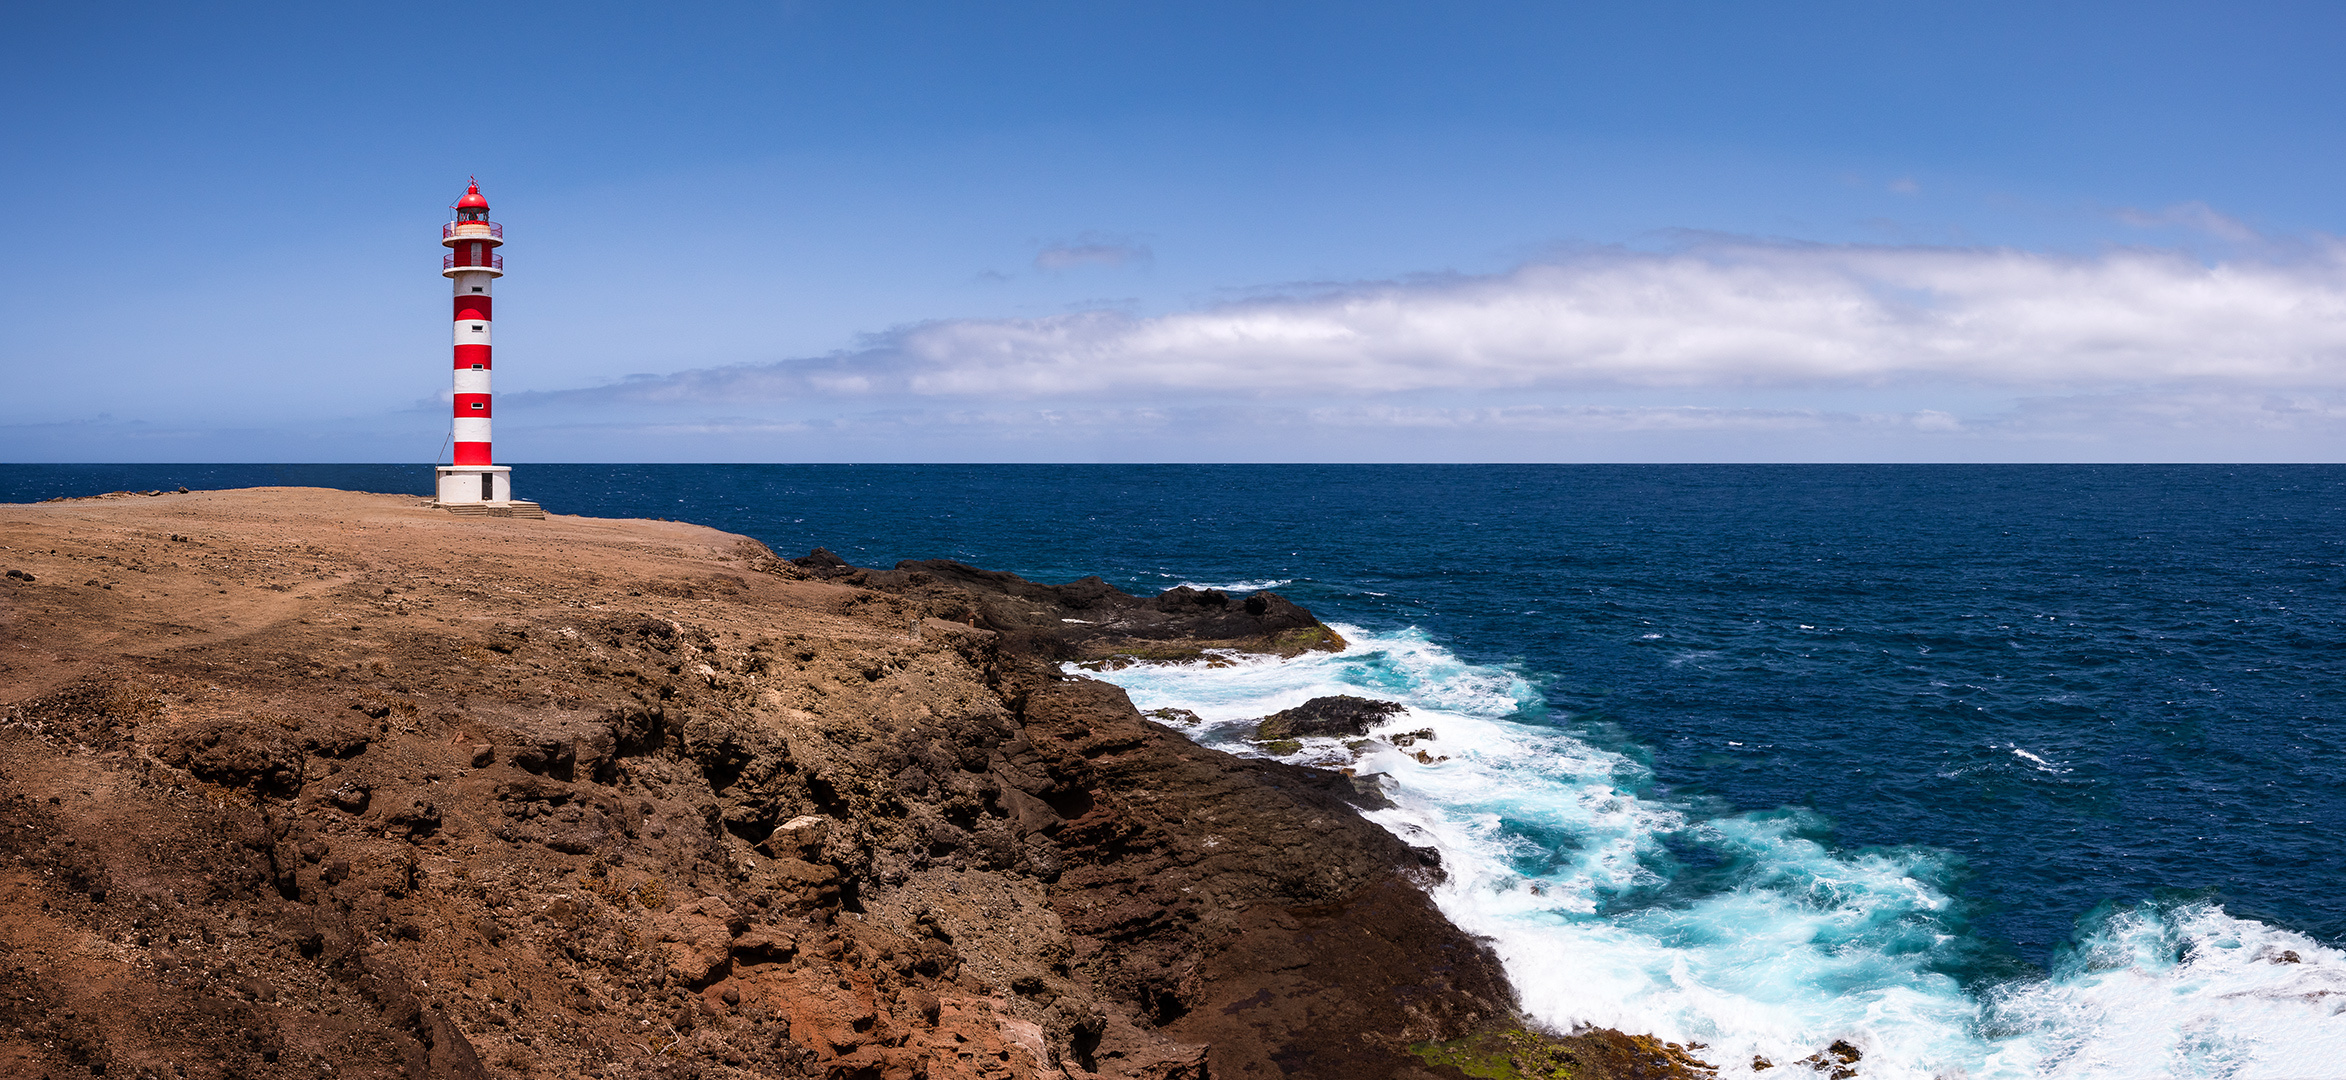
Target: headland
298,782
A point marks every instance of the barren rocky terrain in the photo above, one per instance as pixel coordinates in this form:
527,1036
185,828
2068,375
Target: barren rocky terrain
309,783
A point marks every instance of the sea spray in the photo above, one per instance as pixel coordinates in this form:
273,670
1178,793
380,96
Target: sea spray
1748,932
2176,988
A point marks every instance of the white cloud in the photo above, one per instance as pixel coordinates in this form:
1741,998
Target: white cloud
1728,316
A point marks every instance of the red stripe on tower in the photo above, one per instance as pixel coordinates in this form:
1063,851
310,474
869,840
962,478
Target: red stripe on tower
472,263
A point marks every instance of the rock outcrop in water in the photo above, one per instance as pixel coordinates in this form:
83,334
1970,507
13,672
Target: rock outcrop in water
1327,717
307,783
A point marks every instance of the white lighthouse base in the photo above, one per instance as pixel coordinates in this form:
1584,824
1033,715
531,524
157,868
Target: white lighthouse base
481,491
474,485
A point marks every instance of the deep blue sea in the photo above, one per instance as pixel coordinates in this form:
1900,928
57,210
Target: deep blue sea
1993,770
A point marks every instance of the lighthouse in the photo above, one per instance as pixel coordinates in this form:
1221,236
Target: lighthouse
472,481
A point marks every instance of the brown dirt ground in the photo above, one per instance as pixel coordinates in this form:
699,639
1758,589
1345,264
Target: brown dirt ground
297,782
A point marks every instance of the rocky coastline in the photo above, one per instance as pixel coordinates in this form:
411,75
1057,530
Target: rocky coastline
298,782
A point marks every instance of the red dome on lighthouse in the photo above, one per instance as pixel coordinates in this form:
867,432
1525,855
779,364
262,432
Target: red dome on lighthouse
472,199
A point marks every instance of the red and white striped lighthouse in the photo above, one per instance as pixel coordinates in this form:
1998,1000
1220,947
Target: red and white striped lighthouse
472,263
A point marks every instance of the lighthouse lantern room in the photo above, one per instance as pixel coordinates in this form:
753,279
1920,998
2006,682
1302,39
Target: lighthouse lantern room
472,262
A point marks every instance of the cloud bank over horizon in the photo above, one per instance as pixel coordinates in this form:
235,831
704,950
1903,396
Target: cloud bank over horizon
1736,315
1727,347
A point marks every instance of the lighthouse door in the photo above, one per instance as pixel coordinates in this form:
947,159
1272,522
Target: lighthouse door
488,488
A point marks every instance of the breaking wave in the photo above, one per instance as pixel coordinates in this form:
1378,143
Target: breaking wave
1748,932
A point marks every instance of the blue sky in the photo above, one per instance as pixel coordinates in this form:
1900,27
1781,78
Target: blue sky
1185,232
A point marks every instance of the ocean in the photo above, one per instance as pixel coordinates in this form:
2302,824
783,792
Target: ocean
1992,771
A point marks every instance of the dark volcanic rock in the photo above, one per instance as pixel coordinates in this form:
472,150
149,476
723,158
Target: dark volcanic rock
823,565
236,753
1245,904
1326,717
1091,620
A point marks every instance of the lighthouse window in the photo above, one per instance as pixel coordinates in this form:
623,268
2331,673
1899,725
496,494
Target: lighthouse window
480,367
478,326
478,405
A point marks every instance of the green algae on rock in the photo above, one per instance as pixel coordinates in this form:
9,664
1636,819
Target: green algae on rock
1596,1054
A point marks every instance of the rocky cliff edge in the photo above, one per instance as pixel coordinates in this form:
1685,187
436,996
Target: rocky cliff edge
308,783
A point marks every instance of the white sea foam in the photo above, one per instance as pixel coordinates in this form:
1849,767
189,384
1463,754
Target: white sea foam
2185,991
1552,855
2035,762
1243,586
